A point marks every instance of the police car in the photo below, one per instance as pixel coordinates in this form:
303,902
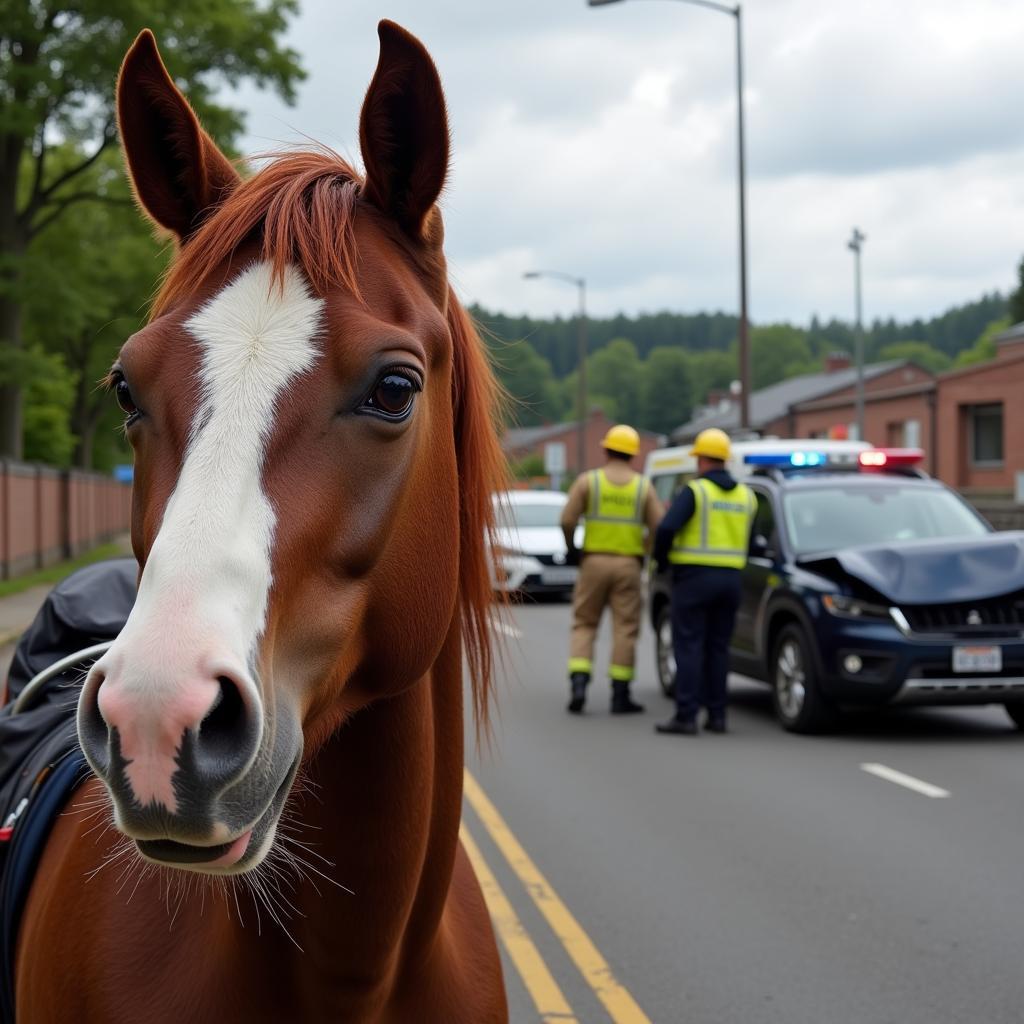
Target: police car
868,584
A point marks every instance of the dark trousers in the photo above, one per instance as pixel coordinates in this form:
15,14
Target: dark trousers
705,600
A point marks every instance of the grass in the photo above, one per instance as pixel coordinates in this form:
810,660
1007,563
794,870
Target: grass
55,573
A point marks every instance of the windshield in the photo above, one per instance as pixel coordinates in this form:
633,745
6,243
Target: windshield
842,517
523,517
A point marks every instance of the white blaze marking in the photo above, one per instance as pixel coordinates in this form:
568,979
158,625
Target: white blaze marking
917,785
204,593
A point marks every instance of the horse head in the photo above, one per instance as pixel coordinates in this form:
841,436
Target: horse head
311,416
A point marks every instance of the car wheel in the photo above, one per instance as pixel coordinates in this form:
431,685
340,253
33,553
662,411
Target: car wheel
1016,711
664,653
799,704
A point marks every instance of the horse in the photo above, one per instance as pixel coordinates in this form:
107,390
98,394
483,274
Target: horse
270,829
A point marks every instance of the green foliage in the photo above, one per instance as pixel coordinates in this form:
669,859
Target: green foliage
48,436
919,352
1016,301
528,467
529,382
777,352
667,390
985,347
614,376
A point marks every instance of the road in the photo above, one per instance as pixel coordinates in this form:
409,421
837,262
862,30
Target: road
756,877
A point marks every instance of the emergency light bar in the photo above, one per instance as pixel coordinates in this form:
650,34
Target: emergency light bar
801,459
886,458
871,459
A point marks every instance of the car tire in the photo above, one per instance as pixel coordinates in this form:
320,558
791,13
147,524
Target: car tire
664,654
1015,710
796,696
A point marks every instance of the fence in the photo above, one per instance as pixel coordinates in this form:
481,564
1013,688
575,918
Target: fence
47,514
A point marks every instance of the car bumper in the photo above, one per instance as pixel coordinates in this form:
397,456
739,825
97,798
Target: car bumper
897,669
524,574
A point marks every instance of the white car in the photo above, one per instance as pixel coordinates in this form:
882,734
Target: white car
530,555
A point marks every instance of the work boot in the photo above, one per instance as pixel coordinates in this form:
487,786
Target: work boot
578,690
622,703
715,724
677,726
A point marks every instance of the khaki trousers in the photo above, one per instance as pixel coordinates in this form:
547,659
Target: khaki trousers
612,581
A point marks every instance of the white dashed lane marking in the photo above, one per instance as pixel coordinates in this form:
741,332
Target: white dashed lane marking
908,781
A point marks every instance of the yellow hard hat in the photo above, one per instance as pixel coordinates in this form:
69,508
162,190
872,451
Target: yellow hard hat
622,438
712,443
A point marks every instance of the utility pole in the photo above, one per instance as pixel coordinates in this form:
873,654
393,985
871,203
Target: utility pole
854,244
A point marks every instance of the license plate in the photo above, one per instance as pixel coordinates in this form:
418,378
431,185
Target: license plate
977,659
560,576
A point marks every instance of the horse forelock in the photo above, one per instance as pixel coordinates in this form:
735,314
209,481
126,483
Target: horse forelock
302,208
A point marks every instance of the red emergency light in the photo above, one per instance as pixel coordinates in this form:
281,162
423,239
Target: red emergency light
890,458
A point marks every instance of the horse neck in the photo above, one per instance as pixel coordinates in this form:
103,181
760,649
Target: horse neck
384,808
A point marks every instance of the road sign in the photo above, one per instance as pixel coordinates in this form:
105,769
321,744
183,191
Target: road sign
554,457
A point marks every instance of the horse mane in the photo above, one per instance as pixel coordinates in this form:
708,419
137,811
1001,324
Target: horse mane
302,206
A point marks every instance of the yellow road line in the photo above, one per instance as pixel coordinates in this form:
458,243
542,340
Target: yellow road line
544,991
617,1001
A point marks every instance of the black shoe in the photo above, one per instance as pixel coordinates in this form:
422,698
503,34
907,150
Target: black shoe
715,725
578,690
622,703
677,726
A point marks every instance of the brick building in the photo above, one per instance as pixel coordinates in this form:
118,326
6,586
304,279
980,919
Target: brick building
520,442
970,422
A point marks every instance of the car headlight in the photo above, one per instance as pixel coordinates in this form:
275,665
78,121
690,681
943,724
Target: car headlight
853,608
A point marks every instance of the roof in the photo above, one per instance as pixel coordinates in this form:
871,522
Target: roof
1012,335
527,437
768,404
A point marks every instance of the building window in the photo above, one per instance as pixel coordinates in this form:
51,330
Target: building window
986,434
912,434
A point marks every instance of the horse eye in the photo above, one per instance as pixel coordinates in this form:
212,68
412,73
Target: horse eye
124,398
393,395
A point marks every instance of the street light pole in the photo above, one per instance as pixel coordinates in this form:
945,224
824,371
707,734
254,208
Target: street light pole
854,244
581,358
744,325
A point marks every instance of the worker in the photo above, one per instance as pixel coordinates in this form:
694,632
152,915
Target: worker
704,538
621,511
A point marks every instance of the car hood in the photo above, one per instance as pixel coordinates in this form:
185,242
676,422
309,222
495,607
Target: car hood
923,572
534,540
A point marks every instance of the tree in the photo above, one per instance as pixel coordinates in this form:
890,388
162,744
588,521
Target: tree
1016,300
58,65
711,371
529,381
778,352
984,348
614,373
48,437
667,390
919,352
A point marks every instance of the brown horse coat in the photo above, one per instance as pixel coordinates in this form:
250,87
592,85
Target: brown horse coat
311,413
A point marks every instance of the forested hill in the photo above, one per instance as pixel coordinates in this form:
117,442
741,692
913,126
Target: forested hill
653,369
556,340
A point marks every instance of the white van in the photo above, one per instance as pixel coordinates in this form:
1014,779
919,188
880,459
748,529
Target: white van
668,469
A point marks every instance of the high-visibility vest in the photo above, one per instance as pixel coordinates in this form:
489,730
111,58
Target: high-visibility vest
718,532
615,515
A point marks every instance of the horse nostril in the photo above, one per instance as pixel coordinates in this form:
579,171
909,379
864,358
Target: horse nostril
227,723
92,727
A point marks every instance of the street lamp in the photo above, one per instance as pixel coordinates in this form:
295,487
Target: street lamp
744,325
581,357
854,244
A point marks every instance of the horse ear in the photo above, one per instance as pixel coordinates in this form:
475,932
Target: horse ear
403,132
178,173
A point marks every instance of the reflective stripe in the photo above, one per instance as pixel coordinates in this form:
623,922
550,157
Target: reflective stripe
620,673
717,540
580,665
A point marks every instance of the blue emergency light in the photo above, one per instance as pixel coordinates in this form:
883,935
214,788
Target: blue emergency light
800,459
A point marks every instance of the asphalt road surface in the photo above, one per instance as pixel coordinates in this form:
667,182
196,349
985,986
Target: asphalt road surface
751,878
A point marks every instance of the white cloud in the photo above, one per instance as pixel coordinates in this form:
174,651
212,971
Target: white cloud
602,143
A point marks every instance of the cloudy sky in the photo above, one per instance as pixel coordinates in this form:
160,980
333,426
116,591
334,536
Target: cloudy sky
602,142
